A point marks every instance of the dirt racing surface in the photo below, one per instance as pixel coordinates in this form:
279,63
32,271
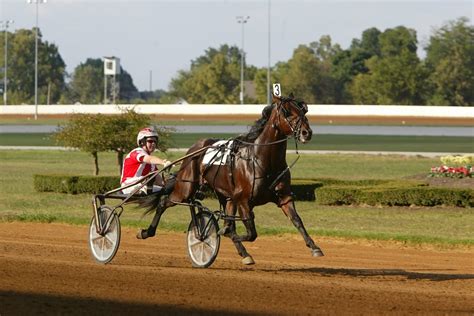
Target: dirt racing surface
47,269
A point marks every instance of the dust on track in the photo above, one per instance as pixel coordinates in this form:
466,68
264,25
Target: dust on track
47,269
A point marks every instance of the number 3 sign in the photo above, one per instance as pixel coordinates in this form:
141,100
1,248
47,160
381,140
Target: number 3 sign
277,89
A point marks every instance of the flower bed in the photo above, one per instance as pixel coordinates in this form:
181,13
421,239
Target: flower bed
454,167
454,172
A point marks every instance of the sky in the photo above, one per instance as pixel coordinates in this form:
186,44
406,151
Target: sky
161,37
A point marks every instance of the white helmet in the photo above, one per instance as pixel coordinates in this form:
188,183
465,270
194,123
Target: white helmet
146,133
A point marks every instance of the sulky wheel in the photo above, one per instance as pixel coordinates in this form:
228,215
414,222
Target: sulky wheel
202,240
104,247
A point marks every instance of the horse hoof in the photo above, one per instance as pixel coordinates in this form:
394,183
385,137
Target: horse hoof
317,253
248,260
142,234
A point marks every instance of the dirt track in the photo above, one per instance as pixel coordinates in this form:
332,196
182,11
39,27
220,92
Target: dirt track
47,269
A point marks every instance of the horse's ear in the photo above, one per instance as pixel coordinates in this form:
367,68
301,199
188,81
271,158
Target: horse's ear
275,99
291,96
305,107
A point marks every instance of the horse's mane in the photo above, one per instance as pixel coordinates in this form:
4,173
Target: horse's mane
258,126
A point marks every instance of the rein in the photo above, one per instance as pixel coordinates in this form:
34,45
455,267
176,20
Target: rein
265,144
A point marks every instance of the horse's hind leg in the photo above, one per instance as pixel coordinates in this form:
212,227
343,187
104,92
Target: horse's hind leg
288,207
230,210
248,219
151,231
246,258
229,230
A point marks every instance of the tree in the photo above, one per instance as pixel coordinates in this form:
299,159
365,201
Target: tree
346,64
450,61
87,81
260,82
21,69
396,76
213,78
307,76
122,133
87,84
94,133
324,50
85,132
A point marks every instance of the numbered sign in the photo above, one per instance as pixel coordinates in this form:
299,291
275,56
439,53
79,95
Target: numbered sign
277,89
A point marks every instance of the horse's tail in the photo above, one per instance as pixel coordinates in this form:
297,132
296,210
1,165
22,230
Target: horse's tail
150,203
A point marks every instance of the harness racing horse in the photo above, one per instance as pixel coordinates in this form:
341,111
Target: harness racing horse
256,173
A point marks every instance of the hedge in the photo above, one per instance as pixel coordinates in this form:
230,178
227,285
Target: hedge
74,184
395,196
303,189
324,191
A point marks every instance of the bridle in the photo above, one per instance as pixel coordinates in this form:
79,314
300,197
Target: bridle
282,111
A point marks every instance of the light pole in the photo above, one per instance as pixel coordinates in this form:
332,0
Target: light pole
242,20
5,78
37,2
269,98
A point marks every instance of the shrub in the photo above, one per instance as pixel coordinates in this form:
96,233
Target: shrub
304,190
324,191
395,196
54,183
74,184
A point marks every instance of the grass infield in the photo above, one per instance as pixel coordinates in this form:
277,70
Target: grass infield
441,226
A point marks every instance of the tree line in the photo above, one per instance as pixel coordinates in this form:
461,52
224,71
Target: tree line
380,67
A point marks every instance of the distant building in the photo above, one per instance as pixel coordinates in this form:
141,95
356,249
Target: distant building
249,89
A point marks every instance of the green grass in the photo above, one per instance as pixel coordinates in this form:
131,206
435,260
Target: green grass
439,226
319,142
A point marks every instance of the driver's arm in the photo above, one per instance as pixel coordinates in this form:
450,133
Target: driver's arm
155,160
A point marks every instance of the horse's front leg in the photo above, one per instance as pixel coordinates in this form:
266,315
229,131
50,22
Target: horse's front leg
287,205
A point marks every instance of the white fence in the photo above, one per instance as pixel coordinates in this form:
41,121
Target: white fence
238,109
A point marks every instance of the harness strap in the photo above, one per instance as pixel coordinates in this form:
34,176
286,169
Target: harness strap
272,186
266,144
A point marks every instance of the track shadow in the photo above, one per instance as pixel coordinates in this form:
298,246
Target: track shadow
14,303
410,275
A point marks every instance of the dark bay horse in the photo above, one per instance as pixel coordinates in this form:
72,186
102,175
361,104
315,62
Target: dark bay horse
256,173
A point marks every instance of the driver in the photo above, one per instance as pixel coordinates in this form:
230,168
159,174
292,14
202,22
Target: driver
139,162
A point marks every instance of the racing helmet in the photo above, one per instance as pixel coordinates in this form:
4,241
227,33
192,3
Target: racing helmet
144,134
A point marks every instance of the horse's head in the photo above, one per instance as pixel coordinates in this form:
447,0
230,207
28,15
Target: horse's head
290,118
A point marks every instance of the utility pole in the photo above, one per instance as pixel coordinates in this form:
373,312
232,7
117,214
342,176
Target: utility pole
37,2
5,79
242,20
269,84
